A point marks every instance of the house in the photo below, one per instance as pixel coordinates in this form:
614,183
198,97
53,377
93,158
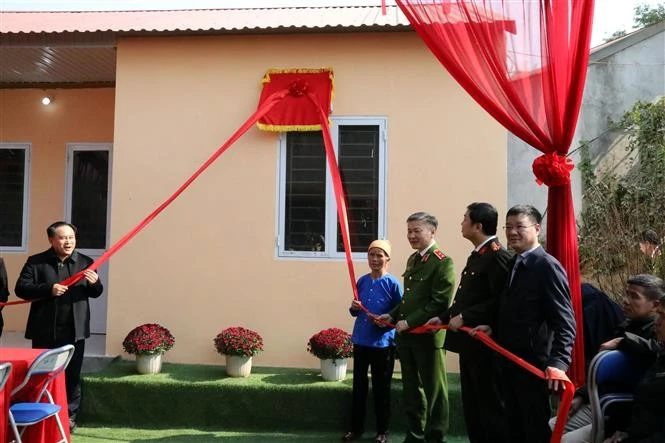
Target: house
141,99
620,73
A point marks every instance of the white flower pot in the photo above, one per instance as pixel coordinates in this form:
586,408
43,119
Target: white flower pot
148,363
333,370
238,366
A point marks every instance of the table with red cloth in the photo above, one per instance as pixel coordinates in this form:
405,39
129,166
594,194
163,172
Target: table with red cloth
47,431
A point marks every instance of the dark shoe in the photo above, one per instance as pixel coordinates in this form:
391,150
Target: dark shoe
72,426
381,438
350,436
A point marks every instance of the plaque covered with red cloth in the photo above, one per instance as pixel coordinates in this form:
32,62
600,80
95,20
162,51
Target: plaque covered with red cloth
296,111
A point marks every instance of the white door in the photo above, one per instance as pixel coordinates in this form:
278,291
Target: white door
87,203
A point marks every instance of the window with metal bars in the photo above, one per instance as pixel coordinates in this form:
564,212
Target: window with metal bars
308,224
14,167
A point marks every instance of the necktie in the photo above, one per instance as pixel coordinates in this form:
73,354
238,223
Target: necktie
518,260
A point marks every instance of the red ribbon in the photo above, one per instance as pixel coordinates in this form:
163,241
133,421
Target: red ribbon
266,106
339,190
552,169
568,387
298,88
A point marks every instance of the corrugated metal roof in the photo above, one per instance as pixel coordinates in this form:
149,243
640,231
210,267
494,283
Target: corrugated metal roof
78,48
202,20
65,65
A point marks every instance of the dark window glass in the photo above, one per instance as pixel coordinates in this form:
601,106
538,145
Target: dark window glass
305,211
89,198
359,167
12,179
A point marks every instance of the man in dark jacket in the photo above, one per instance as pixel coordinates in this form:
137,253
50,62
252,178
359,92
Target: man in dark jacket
535,322
476,302
647,421
4,290
640,302
60,314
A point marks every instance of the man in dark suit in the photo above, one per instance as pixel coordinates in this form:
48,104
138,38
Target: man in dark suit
476,302
59,314
536,323
4,290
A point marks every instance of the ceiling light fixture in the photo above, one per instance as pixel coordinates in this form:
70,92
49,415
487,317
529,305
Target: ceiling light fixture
47,100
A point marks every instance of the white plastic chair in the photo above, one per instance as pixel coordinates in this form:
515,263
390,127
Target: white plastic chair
48,365
5,370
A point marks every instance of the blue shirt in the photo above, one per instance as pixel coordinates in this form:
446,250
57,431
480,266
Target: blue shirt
378,296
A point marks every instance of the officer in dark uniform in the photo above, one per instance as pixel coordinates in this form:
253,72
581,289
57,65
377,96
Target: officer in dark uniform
476,303
429,280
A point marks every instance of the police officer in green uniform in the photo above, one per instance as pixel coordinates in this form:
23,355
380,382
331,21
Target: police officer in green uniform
429,280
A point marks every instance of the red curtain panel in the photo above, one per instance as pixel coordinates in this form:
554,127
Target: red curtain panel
525,63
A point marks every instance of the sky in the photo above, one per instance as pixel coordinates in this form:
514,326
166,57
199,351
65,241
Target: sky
609,15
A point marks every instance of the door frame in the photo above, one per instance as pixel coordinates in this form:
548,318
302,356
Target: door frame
98,306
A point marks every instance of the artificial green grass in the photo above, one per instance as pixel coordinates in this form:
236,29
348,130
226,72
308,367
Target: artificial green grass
202,396
115,435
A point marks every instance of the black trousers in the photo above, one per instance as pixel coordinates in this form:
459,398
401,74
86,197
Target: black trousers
382,362
483,408
527,405
72,372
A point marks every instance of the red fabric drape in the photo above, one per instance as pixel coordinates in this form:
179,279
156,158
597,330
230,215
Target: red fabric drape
525,63
294,113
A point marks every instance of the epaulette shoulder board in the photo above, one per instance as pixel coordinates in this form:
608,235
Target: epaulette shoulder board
496,246
440,255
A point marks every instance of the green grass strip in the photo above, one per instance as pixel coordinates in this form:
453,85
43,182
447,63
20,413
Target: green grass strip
116,435
202,396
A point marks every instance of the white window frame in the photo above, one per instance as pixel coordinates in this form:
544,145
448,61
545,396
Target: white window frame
27,147
331,206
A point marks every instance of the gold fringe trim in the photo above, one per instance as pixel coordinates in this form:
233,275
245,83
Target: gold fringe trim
266,76
288,128
291,128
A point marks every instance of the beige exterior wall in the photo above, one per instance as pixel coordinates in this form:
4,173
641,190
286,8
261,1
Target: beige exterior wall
209,260
76,116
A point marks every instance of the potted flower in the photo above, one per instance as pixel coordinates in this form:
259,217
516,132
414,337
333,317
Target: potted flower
238,345
148,342
332,346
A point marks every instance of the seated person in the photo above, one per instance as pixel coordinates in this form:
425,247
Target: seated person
647,419
602,316
640,302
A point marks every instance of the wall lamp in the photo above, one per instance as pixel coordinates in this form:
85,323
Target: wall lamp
47,100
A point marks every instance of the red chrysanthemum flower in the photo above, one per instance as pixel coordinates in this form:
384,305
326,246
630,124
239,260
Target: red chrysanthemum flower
239,341
149,338
332,343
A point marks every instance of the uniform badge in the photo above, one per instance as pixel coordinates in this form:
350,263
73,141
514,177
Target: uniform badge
483,250
440,255
425,258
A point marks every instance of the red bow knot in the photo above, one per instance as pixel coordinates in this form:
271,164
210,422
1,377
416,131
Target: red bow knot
298,88
552,169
